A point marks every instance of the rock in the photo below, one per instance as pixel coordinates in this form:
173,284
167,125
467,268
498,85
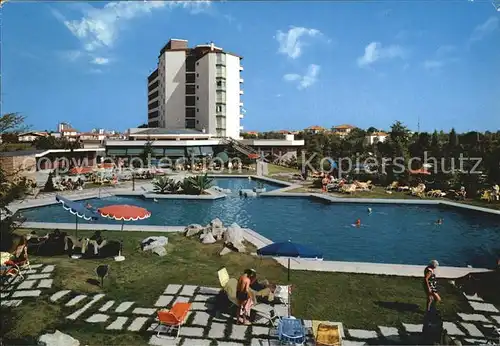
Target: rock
193,229
160,251
218,233
225,251
58,339
234,237
153,242
208,239
216,223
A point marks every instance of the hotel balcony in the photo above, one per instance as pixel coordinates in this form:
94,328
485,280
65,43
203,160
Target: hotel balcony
242,116
241,128
242,80
241,68
241,92
241,104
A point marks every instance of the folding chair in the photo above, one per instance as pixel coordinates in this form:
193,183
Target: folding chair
173,318
291,331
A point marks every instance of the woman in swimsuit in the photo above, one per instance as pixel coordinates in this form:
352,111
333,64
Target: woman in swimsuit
430,284
243,296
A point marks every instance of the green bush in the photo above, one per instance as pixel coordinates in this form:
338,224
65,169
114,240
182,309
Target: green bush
166,185
49,185
197,184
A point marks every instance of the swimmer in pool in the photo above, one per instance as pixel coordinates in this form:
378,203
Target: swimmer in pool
358,223
369,210
439,222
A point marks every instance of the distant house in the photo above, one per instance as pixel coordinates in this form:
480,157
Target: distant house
374,138
70,134
31,136
315,129
343,130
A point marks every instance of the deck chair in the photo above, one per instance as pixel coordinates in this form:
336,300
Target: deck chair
291,331
229,286
9,270
20,257
173,318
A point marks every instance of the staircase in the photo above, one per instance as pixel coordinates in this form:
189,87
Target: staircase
243,148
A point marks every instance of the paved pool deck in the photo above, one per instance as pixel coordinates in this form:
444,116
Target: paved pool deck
295,264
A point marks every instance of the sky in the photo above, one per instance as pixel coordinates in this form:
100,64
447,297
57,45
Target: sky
366,63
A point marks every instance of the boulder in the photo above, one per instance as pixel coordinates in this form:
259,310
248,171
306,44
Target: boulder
193,229
153,242
57,339
234,237
160,251
216,223
225,251
208,239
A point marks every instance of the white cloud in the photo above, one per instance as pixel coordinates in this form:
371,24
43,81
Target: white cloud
483,30
376,52
305,81
100,61
99,28
292,42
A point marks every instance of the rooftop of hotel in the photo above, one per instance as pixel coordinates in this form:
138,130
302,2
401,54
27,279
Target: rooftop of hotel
163,131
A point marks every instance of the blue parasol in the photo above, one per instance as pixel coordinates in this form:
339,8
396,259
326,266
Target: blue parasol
289,249
78,209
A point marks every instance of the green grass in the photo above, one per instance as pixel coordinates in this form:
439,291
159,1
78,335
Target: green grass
359,301
276,169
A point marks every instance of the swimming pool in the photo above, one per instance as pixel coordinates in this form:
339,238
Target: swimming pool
402,234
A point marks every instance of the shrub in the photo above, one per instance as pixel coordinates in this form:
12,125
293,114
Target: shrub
166,185
49,185
197,184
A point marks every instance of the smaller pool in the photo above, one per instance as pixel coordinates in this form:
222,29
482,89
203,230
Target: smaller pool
237,184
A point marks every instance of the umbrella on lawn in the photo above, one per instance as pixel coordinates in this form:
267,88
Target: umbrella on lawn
289,249
124,213
77,209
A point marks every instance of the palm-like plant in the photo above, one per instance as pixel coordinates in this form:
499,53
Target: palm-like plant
166,185
197,184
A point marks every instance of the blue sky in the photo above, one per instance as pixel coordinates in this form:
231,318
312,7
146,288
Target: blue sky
306,63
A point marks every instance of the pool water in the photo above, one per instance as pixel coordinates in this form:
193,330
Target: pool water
402,234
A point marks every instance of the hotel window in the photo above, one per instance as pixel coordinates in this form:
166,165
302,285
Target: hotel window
153,105
190,78
190,123
190,101
190,113
190,89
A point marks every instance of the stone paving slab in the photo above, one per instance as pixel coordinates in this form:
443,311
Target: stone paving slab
473,317
144,311
118,323
256,331
188,290
192,331
363,334
477,306
26,284
196,342
238,332
228,343
164,301
4,294
352,343
472,330
48,269
97,318
11,302
199,306
202,298
452,329
76,300
84,308
137,324
106,306
413,328
35,266
475,341
496,318
209,290
163,341
30,293
388,332
123,307
38,276
216,331
475,297
45,283
172,289
26,272
201,318
183,300
58,295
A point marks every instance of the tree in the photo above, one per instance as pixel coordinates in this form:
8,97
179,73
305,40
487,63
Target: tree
143,126
147,153
13,185
371,129
49,185
166,185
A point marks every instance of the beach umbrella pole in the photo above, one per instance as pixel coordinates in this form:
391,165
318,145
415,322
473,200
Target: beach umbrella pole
76,225
288,269
123,222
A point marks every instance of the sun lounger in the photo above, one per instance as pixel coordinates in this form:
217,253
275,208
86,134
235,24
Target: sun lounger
174,318
229,285
327,334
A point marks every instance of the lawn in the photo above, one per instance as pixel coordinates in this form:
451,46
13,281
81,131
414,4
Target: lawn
359,301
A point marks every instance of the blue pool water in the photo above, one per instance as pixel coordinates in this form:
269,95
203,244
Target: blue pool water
404,234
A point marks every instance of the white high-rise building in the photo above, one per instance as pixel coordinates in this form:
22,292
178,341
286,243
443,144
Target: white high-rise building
196,88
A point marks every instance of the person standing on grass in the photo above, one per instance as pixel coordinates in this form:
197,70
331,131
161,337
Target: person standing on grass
430,284
243,296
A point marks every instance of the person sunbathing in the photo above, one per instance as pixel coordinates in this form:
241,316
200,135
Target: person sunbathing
97,241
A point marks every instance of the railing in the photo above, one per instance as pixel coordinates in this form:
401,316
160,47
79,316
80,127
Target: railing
243,148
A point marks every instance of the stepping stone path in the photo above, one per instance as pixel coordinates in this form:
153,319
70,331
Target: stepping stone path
36,280
118,323
124,307
97,318
137,324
